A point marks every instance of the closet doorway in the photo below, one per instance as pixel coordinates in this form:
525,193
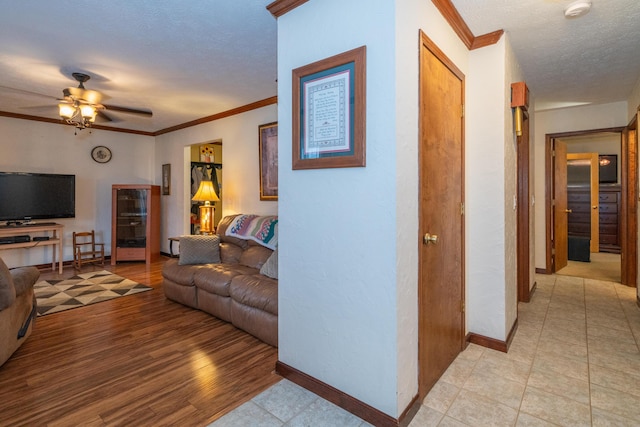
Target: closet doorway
206,164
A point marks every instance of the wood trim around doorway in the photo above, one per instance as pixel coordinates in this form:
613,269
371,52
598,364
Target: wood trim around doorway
549,141
523,232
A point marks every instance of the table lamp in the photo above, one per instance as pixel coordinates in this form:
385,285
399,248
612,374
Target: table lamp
207,194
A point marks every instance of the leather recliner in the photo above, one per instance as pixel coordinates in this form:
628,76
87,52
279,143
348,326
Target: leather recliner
17,307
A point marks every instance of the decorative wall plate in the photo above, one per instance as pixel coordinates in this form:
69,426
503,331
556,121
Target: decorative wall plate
101,154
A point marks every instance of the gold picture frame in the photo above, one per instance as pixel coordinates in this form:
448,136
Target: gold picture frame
268,148
329,112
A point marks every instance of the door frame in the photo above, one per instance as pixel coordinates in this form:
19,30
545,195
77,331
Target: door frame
628,181
523,232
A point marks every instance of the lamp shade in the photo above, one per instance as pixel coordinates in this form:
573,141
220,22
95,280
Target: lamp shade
88,112
206,193
67,111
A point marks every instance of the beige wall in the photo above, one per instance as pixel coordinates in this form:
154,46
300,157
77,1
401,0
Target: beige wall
29,146
240,171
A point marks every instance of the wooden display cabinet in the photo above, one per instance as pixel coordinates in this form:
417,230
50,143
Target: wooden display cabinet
135,223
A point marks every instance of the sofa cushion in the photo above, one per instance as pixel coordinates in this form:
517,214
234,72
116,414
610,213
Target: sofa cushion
230,253
256,291
221,230
255,256
216,278
199,249
270,267
180,274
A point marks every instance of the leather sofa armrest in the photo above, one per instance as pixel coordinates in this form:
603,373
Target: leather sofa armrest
24,278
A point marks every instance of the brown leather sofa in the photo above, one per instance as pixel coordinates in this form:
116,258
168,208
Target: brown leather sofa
17,307
233,290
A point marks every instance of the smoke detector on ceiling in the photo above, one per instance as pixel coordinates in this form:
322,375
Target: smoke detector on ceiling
577,8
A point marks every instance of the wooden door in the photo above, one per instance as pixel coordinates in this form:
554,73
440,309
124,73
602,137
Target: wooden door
594,184
560,208
629,202
441,228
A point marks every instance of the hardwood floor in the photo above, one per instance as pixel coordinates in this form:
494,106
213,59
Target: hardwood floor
136,360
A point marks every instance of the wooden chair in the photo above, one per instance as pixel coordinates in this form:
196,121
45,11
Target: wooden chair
86,250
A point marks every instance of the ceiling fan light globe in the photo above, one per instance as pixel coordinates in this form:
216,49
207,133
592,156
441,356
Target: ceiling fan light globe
88,111
66,111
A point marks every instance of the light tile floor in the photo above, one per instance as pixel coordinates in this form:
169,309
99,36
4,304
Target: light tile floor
574,361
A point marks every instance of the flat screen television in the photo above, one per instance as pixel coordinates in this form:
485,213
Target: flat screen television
25,196
608,168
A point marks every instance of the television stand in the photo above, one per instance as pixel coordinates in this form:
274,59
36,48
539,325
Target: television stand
54,234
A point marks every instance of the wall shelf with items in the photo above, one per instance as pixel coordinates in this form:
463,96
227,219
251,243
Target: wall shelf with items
135,223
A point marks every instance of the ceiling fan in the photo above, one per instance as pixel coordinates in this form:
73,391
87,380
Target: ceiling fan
80,106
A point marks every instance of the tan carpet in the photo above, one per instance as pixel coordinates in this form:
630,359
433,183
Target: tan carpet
603,266
83,289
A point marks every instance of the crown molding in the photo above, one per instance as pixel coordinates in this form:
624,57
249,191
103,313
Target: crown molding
232,112
280,7
222,115
446,8
452,16
62,122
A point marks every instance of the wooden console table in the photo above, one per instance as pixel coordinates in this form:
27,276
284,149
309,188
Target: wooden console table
54,239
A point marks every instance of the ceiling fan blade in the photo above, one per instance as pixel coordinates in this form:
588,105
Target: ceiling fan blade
27,92
104,117
140,111
40,107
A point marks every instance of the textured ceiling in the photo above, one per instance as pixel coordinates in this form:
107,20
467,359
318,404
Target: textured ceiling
591,59
190,59
182,59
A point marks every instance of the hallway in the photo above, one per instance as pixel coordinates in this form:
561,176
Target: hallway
603,266
574,361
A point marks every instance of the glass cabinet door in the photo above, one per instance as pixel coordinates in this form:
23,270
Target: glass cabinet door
131,231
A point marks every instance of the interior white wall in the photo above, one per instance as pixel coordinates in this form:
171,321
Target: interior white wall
240,168
373,304
485,195
337,258
29,146
513,73
600,116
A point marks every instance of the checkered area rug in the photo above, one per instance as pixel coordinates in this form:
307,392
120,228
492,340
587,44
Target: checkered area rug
83,289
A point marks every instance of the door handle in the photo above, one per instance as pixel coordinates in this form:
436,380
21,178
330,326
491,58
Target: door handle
594,207
568,211
430,238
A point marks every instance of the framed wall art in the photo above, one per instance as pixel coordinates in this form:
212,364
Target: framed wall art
268,148
329,111
207,153
166,179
